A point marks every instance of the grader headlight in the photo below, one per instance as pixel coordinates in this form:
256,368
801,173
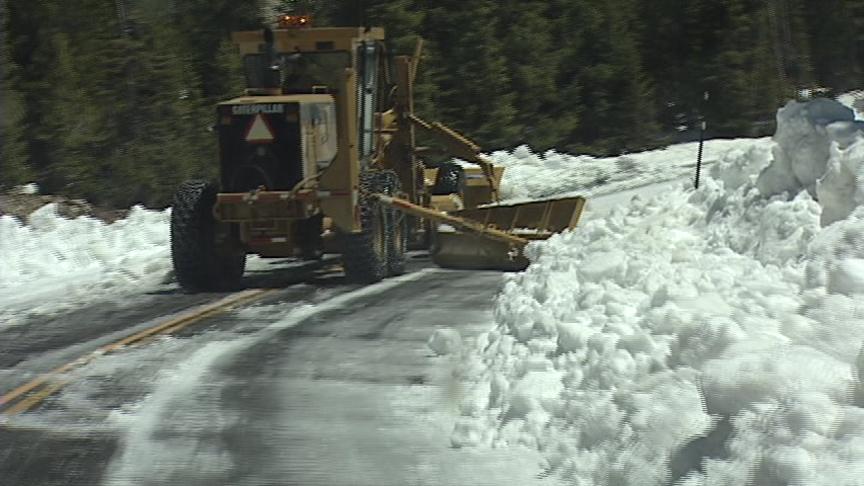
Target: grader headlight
294,21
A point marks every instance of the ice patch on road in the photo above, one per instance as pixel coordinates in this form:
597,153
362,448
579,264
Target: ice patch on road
151,445
172,431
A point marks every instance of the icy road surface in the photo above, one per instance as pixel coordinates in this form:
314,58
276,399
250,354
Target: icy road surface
323,384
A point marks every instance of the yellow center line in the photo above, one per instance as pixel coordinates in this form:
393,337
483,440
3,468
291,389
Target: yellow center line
168,327
36,398
35,383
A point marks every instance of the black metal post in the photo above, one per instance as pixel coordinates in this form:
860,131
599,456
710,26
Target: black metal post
702,126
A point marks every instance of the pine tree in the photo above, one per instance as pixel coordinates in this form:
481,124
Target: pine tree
14,166
671,40
604,67
791,46
836,42
403,22
531,48
29,49
469,71
93,118
111,99
749,77
172,116
201,26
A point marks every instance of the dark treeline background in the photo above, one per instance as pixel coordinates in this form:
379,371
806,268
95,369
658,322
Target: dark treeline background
111,99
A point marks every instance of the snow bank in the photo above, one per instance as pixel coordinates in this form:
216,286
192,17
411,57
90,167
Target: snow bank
532,176
54,263
816,150
854,100
28,189
697,338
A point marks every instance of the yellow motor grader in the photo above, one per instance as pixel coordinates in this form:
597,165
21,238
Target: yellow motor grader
319,156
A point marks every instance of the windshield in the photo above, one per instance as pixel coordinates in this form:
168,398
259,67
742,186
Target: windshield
297,71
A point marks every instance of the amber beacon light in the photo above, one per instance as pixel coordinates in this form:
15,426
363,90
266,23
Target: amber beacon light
294,21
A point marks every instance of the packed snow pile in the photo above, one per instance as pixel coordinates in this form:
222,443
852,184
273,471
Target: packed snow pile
21,201
27,189
53,262
854,100
708,337
815,152
529,175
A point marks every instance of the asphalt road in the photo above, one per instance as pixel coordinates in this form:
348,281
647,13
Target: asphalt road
321,383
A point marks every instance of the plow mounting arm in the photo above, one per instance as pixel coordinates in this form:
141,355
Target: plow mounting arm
467,225
458,146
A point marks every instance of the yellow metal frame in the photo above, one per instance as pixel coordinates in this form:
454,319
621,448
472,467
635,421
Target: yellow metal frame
306,40
341,178
335,191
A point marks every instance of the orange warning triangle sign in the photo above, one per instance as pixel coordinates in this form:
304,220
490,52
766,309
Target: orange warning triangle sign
259,130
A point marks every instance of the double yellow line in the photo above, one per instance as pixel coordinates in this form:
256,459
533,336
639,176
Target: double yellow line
31,394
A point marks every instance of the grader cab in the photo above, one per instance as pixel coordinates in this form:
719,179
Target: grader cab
319,155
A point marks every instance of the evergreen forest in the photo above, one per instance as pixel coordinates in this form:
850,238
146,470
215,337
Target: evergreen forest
113,100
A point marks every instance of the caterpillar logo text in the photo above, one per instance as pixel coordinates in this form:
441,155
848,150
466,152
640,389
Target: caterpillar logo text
256,109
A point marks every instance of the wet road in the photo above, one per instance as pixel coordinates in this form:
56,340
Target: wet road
321,383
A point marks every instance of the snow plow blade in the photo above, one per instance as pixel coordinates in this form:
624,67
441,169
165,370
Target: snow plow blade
456,249
493,237
529,221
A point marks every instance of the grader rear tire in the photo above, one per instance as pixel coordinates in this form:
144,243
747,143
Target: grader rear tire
309,239
200,262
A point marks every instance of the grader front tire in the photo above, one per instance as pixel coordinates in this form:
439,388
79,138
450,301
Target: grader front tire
364,254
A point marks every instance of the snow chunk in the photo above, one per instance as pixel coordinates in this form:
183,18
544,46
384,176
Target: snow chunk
739,167
30,189
470,432
604,265
820,149
839,241
847,277
573,336
534,391
746,377
668,414
854,100
803,143
841,189
445,341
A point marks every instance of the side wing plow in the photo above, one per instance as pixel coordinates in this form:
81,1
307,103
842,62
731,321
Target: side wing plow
493,237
